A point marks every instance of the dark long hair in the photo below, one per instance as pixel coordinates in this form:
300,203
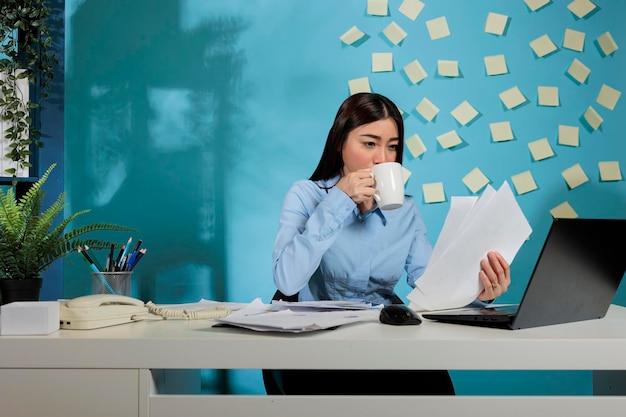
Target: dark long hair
357,110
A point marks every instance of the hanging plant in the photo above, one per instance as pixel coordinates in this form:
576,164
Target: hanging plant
26,60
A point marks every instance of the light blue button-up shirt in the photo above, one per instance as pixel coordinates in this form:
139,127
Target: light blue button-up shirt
326,250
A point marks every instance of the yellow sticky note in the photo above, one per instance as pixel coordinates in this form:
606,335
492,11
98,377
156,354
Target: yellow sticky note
574,40
501,131
415,145
377,7
578,71
411,8
427,109
574,176
524,182
581,8
448,68
540,149
464,113
406,174
607,44
438,28
512,97
548,96
415,71
495,65
496,23
352,35
534,5
593,118
608,97
475,180
394,33
543,46
382,62
433,192
449,139
563,211
359,85
568,135
609,171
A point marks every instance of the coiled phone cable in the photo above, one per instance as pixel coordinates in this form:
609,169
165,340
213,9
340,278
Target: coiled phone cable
183,313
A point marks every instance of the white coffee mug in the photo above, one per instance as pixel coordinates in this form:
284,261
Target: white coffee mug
389,192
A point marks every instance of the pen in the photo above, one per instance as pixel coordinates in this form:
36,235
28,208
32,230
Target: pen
139,255
110,266
95,269
124,253
92,258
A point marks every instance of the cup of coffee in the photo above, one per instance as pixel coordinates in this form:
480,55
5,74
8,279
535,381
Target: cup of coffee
389,192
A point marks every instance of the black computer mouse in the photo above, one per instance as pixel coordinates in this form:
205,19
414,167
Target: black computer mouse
398,315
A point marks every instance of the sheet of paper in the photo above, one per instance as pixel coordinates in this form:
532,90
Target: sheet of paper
460,207
535,5
377,7
406,174
263,317
451,280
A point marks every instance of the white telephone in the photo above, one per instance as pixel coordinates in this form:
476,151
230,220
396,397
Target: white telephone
100,310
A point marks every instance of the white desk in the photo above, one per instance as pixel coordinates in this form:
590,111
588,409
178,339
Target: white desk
106,372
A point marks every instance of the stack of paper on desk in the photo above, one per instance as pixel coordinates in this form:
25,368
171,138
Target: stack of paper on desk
299,317
473,227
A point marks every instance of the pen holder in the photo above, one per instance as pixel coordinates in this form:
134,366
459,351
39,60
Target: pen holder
111,282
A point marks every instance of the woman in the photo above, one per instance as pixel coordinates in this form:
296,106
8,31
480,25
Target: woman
334,243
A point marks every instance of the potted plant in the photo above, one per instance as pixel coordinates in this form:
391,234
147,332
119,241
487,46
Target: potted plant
26,59
31,239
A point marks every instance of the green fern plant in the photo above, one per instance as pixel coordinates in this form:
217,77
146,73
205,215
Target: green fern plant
30,241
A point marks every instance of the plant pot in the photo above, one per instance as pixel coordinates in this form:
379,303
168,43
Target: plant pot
20,289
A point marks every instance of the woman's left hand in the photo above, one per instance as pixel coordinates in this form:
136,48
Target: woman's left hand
495,276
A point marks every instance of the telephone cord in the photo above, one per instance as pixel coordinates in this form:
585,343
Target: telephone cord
182,313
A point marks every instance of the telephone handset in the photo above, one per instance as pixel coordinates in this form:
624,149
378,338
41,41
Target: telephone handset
100,310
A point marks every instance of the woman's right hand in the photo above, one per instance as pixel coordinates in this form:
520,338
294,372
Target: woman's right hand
359,186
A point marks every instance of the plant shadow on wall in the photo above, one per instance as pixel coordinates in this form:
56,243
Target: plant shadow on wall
32,238
27,60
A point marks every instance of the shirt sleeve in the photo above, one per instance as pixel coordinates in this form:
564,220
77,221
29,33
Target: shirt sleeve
419,252
308,227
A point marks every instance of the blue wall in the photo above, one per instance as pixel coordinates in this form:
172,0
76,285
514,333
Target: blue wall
189,121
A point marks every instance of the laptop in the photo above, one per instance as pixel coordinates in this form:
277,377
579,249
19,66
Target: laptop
576,276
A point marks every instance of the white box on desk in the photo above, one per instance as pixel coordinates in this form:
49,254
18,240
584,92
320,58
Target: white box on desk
29,318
